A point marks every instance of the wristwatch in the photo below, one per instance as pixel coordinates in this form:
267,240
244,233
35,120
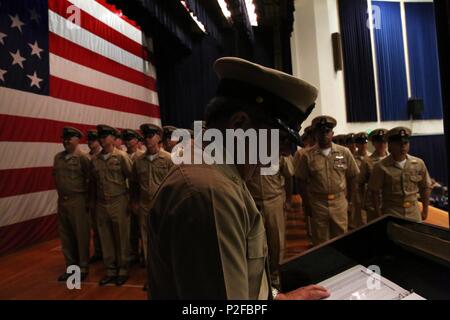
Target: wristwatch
275,293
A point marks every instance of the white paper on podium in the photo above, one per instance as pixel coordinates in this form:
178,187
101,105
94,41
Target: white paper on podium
359,283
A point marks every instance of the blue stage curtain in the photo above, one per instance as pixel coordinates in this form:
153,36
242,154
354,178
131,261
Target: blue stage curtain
358,61
392,85
431,149
423,57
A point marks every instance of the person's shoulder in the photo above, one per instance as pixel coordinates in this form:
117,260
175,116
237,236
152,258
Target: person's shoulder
163,154
59,155
416,160
120,154
344,150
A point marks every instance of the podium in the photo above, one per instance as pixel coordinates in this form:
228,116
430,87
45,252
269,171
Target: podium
413,255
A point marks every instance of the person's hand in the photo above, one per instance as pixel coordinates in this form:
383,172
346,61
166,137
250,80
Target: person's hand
424,215
312,292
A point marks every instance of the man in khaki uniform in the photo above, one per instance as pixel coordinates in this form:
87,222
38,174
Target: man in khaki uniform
131,138
148,172
270,195
363,161
309,141
206,236
399,178
71,173
378,139
94,150
110,171
326,172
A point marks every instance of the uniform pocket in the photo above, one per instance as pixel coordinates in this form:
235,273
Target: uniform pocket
257,246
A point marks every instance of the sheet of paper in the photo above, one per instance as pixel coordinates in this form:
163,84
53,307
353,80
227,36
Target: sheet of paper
359,283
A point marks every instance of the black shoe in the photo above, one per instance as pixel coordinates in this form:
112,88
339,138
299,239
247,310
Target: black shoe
106,280
121,280
145,288
95,258
83,276
64,277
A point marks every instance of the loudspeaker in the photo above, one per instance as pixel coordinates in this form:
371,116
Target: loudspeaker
415,107
337,51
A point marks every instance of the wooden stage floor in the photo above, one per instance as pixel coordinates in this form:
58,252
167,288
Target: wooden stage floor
31,273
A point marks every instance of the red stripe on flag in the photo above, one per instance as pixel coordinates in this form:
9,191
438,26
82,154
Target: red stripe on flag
99,28
22,181
76,53
35,129
71,91
29,232
118,12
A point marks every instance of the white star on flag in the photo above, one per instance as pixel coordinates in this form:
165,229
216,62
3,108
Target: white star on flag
2,36
35,80
35,50
2,74
16,23
34,15
17,58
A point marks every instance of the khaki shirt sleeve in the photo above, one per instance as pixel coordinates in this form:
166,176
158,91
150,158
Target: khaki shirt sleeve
352,169
364,174
127,166
425,183
86,167
302,169
134,183
205,264
376,180
287,168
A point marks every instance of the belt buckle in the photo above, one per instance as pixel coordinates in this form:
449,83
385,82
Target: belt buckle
407,205
331,197
65,198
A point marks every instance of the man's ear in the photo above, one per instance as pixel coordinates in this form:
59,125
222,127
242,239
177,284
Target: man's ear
239,120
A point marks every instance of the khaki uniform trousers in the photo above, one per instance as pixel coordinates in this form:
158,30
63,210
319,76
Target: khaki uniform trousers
275,225
329,216
114,228
74,230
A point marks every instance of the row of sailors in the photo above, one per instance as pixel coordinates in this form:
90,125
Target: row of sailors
341,187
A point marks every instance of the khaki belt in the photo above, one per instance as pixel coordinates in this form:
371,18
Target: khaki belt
404,204
329,197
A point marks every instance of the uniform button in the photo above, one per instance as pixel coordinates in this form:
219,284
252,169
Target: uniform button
407,205
331,197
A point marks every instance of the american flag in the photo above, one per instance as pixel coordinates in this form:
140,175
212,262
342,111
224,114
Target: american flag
62,62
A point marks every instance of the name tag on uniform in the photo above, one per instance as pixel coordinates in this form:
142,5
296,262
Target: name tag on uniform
339,162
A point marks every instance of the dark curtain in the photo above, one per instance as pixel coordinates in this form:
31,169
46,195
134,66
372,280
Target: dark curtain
392,86
432,150
358,64
423,57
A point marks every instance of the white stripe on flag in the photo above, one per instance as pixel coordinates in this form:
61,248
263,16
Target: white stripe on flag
23,155
68,30
69,70
101,13
21,208
31,105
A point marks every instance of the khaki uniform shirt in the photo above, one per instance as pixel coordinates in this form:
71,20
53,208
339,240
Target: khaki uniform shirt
136,155
207,238
264,188
327,175
399,187
71,173
148,175
110,175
